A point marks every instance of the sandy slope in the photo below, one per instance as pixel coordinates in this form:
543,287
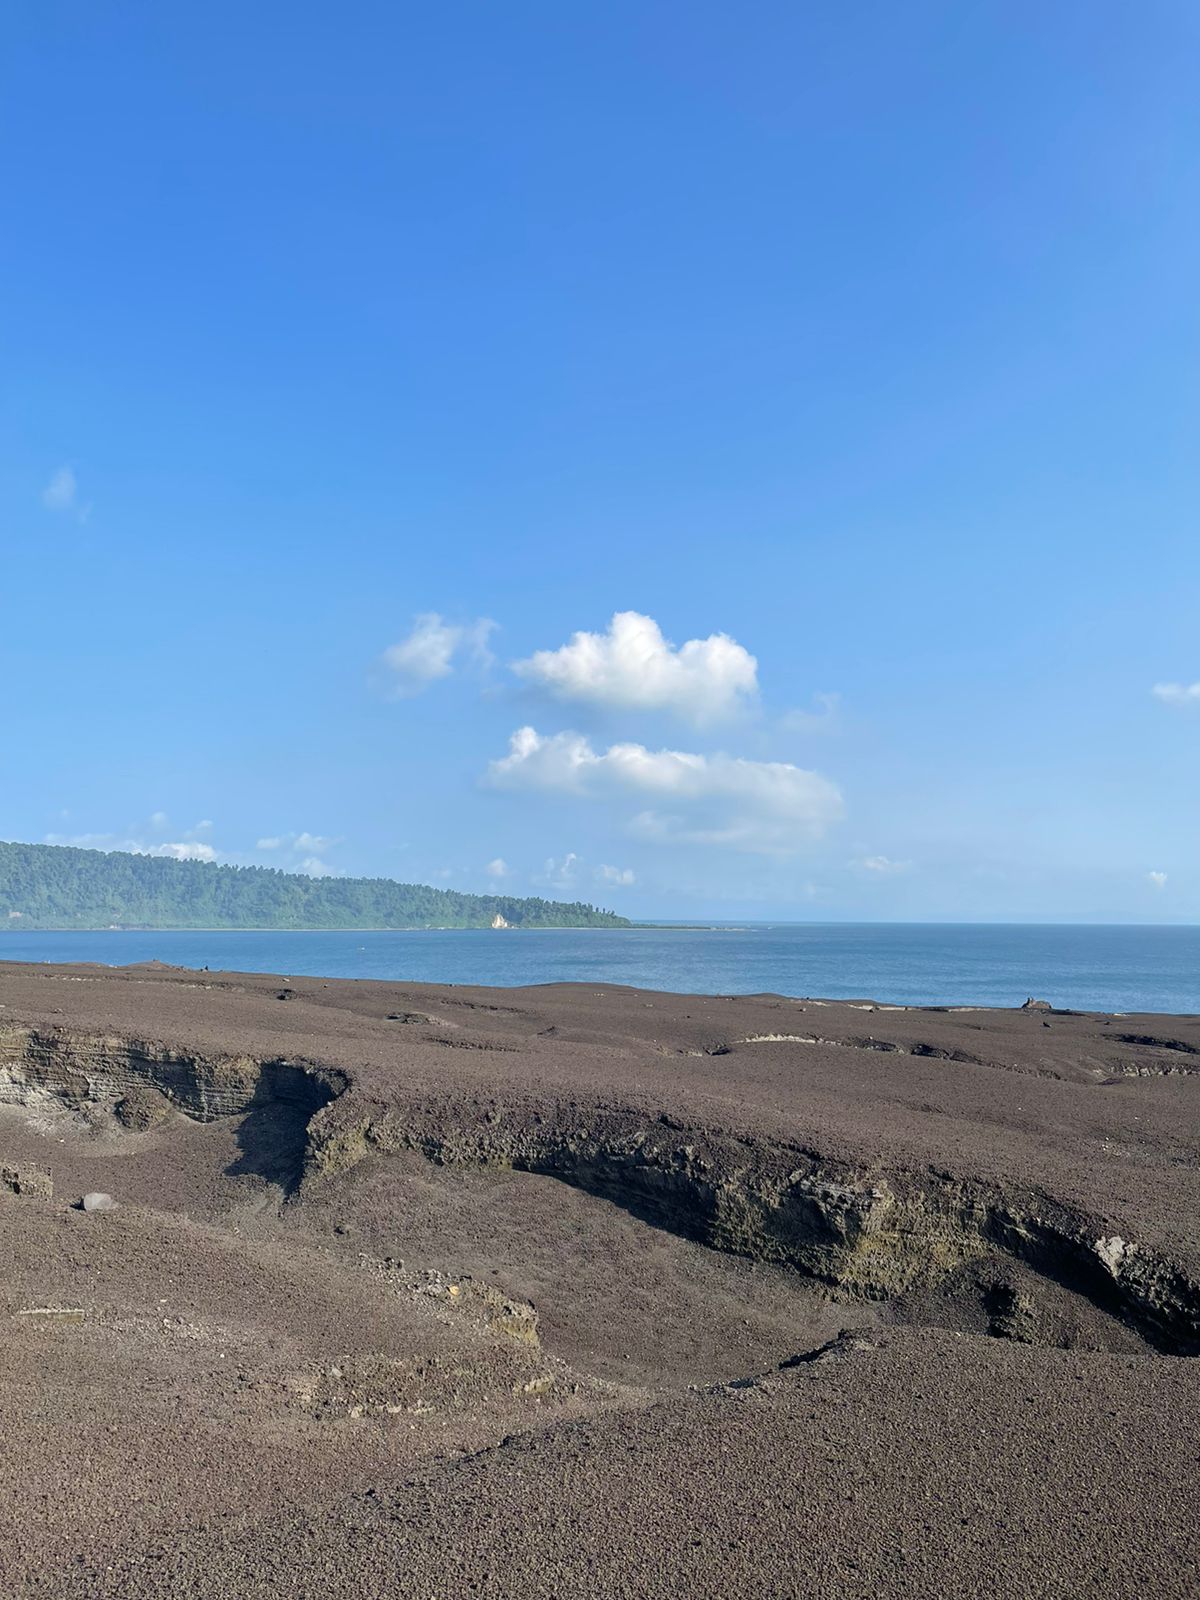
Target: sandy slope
432,1291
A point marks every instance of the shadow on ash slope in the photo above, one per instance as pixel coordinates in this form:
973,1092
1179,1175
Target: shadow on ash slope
883,1237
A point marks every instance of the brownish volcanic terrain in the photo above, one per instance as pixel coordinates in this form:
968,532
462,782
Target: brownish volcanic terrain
572,1292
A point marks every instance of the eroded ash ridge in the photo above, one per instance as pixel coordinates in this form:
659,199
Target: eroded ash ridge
879,1231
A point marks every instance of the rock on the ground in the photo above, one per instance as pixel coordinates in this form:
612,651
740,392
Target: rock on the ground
27,1181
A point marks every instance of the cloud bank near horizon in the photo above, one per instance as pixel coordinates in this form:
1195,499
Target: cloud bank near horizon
765,807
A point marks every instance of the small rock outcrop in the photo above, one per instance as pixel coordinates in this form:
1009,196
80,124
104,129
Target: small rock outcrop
98,1202
27,1181
140,1109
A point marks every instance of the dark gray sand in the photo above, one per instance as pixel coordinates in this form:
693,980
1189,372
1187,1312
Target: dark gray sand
582,1292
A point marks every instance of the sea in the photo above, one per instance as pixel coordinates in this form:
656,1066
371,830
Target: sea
1088,968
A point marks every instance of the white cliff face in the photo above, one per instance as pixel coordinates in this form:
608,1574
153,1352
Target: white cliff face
498,921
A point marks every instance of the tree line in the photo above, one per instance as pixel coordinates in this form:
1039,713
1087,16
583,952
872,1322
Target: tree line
58,886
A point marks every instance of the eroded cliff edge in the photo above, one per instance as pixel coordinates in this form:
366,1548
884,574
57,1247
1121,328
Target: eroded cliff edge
823,1177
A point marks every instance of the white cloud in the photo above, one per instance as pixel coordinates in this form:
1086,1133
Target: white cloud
159,820
1178,694
884,865
616,877
764,806
313,842
430,649
61,494
633,667
499,868
1158,879
314,868
561,874
177,850
185,850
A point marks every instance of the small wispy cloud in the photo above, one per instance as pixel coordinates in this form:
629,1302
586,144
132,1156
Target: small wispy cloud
561,874
1157,879
498,869
302,844
1177,694
302,852
181,850
431,650
820,719
61,494
616,877
883,866
313,842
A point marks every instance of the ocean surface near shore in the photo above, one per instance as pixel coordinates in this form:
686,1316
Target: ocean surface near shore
1088,967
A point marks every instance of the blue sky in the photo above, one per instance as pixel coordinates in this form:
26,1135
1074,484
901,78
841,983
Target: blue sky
362,363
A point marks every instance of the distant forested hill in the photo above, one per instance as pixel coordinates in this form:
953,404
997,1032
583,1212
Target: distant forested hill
56,886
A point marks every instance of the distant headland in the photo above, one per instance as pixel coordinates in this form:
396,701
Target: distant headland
60,887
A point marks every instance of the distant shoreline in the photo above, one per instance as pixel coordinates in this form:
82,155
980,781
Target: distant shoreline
1106,969
38,881
563,927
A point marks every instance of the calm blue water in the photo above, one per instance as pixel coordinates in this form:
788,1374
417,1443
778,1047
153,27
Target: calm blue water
1101,969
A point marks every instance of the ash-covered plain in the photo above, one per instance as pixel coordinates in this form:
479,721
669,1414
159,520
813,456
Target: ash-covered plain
570,1291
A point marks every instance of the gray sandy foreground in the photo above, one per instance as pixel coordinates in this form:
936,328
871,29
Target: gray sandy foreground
582,1291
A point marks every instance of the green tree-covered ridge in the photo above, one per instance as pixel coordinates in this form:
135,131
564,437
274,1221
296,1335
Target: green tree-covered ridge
57,886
